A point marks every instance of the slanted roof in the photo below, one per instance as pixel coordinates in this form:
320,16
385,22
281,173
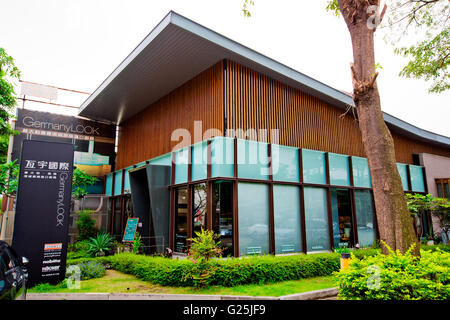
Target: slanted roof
177,50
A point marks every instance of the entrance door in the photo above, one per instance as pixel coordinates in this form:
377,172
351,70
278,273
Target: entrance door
342,217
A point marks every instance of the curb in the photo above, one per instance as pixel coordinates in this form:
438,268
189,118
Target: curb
311,295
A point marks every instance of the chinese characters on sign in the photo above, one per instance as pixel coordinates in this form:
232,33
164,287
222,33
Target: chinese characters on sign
43,207
44,169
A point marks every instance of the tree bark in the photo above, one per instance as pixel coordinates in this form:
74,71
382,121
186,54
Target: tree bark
395,223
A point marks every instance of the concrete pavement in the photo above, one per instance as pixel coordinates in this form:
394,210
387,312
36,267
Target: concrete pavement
328,294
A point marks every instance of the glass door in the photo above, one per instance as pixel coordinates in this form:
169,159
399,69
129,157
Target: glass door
342,218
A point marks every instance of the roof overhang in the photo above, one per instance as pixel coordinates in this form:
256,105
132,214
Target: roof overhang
177,50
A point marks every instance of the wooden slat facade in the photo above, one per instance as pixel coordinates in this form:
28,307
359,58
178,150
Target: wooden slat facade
253,101
259,102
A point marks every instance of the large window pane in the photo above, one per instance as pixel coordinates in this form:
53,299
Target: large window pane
180,219
365,217
313,166
222,215
198,208
316,219
222,157
253,159
285,163
253,210
199,161
403,175
109,179
165,160
361,174
118,182
339,171
287,219
181,165
126,182
416,174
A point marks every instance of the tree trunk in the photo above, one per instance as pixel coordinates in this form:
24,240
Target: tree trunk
395,223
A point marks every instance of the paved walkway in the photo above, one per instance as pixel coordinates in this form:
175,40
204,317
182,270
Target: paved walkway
325,294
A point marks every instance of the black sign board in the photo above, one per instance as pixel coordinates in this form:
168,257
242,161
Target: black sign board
42,209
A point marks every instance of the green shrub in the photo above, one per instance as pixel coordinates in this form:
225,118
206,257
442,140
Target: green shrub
203,248
137,243
86,225
77,250
89,270
100,244
103,260
47,287
397,277
227,272
441,246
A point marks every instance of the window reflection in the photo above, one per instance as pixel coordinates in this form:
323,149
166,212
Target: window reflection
181,220
199,208
222,214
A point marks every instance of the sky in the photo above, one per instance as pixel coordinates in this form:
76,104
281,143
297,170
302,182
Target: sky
77,44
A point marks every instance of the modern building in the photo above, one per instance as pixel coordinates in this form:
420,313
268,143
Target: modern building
213,134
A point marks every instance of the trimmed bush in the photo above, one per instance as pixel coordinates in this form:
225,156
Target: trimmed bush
397,277
102,260
227,272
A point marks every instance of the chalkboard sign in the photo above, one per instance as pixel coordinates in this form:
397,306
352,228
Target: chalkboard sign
130,229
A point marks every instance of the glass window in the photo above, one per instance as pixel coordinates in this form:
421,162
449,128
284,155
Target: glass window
222,157
198,208
181,165
447,190
341,211
253,222
339,172
117,226
439,190
416,174
402,170
199,160
365,217
253,159
361,173
109,179
126,182
285,163
316,219
181,219
222,214
165,160
313,166
118,183
287,219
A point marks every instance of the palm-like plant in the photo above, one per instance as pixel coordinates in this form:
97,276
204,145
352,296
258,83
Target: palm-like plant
100,244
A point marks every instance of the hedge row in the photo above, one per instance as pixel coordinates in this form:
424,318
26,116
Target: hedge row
102,260
231,271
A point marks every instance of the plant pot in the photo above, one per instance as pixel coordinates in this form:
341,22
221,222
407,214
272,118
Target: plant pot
430,242
345,260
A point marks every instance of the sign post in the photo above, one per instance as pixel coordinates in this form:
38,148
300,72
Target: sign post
43,203
130,230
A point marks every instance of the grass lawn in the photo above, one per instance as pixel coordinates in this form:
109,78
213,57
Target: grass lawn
117,282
